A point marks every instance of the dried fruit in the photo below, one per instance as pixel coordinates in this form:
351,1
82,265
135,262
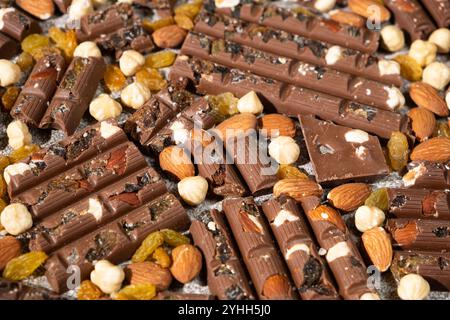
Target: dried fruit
137,292
10,97
286,171
149,273
276,287
378,198
174,160
3,205
366,9
435,150
169,37
41,52
66,41
33,42
187,263
398,149
297,188
150,243
224,105
423,122
151,26
326,213
427,97
161,257
237,124
188,9
151,78
23,152
89,291
23,266
350,196
4,162
2,186
114,78
410,69
184,21
10,248
25,61
174,238
378,247
442,130
274,125
160,59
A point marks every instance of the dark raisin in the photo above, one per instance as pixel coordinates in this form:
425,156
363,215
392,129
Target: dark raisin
398,201
235,292
104,244
312,272
442,232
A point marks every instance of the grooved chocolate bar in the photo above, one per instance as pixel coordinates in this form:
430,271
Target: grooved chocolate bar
439,10
16,24
8,47
427,175
342,255
308,271
226,275
38,90
266,268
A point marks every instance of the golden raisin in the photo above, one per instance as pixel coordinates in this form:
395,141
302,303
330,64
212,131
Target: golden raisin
188,9
442,130
286,171
89,291
2,186
378,198
151,26
41,52
114,78
66,41
174,238
409,68
23,152
4,162
151,78
224,105
25,61
23,266
160,59
10,97
184,21
161,257
33,42
398,150
145,291
150,243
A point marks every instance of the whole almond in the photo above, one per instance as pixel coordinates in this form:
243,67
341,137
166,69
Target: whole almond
174,160
427,97
236,124
277,287
187,263
10,248
367,8
42,9
434,150
274,125
326,213
423,122
149,272
379,247
349,196
349,18
169,37
297,188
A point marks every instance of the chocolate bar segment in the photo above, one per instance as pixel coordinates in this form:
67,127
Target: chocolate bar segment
226,275
8,47
439,10
258,251
16,24
340,154
427,175
308,271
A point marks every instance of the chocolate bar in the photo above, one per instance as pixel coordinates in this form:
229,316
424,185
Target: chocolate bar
16,24
258,251
8,47
226,275
419,203
75,92
289,71
170,295
342,255
163,8
427,175
434,267
10,290
214,79
439,10
38,90
340,154
293,46
411,17
308,271
63,5
420,234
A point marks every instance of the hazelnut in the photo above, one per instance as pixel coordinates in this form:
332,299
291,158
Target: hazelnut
437,75
250,103
334,54
16,218
441,38
284,150
87,49
135,95
413,287
18,134
104,107
388,67
193,190
107,277
423,52
324,5
15,169
9,73
130,62
80,8
395,97
393,38
356,136
369,296
226,3
367,218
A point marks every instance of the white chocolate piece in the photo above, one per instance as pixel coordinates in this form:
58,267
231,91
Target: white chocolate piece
297,247
108,130
356,136
395,97
16,219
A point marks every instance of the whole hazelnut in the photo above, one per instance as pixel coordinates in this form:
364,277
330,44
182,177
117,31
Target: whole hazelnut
437,75
423,52
135,95
9,73
284,150
413,287
107,276
441,38
250,103
193,190
16,219
367,218
104,107
87,49
324,5
393,38
18,134
130,62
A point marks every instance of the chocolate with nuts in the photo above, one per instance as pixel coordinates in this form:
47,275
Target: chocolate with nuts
17,25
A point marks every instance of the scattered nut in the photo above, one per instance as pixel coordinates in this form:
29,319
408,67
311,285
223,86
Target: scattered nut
187,262
80,8
107,277
413,287
193,190
226,3
18,134
277,287
324,5
393,38
10,248
174,160
16,218
349,196
9,73
369,296
104,107
130,62
367,218
388,67
15,169
284,150
169,37
441,38
149,272
395,97
42,9
378,247
135,95
250,103
334,54
437,75
275,125
87,49
423,52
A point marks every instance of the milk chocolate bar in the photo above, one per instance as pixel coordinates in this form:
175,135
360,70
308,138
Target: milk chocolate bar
439,10
226,276
258,251
308,271
427,175
17,25
10,290
8,47
340,154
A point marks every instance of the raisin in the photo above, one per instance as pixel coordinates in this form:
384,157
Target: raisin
398,151
174,238
378,198
160,59
89,291
409,68
151,26
66,41
23,152
312,271
288,171
151,78
114,78
41,52
10,97
161,257
224,105
25,61
188,9
2,187
104,244
442,232
144,291
183,21
34,42
148,246
23,266
4,162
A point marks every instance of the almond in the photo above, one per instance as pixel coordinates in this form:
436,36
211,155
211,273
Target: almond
187,263
236,125
169,37
275,125
10,248
434,150
350,196
379,247
404,235
297,188
174,160
149,272
366,8
405,5
326,213
349,18
249,225
42,9
427,97
423,122
277,287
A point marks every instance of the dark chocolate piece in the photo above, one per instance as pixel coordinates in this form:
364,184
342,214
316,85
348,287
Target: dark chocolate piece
307,268
10,290
171,295
226,275
439,10
17,25
258,251
340,154
427,175
8,47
